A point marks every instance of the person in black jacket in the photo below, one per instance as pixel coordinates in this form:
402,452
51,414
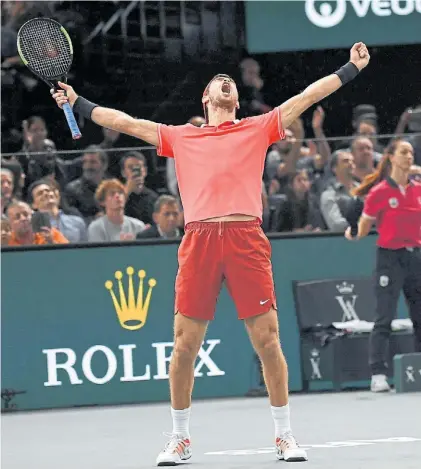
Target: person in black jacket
298,211
166,216
140,199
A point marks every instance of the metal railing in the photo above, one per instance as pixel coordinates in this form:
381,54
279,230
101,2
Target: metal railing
342,138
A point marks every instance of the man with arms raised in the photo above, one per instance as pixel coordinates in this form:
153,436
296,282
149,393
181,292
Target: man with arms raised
220,191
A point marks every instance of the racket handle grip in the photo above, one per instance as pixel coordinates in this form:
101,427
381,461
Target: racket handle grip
71,121
354,230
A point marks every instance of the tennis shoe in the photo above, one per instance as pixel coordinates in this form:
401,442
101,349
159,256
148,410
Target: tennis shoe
287,449
177,450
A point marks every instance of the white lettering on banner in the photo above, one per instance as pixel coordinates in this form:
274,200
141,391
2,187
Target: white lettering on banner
128,374
403,10
163,358
87,364
203,355
327,17
328,445
361,6
53,366
381,8
206,360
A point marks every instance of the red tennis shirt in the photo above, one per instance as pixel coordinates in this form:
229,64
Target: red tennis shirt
397,211
220,169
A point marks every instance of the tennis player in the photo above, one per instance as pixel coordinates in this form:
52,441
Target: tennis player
219,168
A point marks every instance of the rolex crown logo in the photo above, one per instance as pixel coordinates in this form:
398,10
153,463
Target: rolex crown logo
345,288
131,309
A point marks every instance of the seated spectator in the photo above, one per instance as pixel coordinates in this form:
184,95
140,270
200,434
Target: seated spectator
38,157
366,126
335,199
63,204
364,123
34,133
252,101
7,189
46,198
20,215
6,231
141,199
19,176
277,159
45,164
363,153
114,225
172,183
282,160
411,119
80,193
297,209
319,155
166,217
316,168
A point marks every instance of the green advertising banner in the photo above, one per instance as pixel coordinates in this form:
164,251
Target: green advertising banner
275,26
93,325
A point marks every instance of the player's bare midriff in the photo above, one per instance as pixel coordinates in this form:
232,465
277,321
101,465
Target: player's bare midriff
234,217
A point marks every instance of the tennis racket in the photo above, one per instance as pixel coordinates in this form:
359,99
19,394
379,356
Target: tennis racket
46,49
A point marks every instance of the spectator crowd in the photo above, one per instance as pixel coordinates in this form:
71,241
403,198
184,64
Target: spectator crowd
103,195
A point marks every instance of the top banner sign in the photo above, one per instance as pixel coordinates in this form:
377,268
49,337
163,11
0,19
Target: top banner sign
275,26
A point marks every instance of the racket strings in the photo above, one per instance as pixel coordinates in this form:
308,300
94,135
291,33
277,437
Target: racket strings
46,49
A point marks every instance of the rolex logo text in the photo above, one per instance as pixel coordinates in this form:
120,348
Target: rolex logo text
63,364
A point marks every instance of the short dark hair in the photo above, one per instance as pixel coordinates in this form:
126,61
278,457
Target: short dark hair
164,200
91,149
334,160
132,154
34,185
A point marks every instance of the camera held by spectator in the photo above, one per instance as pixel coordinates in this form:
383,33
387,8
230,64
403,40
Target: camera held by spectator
31,228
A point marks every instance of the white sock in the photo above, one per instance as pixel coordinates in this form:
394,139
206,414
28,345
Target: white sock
181,421
281,419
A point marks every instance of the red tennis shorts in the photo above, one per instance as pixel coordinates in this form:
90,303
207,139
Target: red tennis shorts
237,253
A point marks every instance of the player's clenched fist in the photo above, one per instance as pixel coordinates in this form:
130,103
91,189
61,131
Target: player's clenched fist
61,98
359,55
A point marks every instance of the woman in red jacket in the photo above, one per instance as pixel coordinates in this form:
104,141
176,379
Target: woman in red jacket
393,202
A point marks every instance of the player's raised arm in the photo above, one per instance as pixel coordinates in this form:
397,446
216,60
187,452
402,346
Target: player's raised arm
320,89
106,117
